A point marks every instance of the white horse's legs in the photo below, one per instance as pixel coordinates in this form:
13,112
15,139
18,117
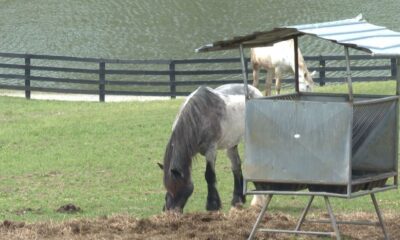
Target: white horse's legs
258,201
238,199
278,83
268,81
213,199
255,75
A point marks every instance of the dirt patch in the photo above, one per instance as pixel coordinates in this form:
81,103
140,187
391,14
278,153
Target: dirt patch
69,208
236,224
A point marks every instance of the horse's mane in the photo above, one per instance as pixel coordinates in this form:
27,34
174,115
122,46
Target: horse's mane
197,124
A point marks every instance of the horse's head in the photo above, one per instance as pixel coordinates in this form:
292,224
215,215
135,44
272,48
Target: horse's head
177,170
179,188
306,83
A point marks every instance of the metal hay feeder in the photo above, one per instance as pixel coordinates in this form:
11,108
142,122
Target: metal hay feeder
329,145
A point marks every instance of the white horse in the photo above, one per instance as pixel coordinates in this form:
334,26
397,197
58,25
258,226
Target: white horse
278,59
207,121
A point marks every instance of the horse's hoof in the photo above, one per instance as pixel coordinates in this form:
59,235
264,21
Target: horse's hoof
238,201
238,206
213,205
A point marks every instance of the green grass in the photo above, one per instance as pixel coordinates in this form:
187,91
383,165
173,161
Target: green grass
385,87
102,157
379,88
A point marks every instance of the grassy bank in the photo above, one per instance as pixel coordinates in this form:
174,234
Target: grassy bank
102,158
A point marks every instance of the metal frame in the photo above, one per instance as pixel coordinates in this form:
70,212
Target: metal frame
296,63
397,118
259,39
326,195
244,71
348,72
349,195
332,220
296,67
345,185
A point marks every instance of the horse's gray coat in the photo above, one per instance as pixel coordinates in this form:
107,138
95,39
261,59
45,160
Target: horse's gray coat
208,120
238,89
195,129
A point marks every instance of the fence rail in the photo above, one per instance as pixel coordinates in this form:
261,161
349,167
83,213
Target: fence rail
97,75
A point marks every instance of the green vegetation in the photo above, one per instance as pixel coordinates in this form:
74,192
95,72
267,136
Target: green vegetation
102,158
385,88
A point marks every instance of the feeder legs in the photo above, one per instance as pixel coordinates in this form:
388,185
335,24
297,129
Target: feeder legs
260,216
304,214
332,217
378,212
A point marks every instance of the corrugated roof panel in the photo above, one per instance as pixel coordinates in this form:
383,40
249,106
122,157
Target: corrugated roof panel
362,35
351,21
354,32
358,33
347,29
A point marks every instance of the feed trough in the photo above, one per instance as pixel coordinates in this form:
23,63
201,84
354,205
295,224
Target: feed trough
321,144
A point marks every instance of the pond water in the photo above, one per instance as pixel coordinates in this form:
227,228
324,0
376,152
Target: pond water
167,29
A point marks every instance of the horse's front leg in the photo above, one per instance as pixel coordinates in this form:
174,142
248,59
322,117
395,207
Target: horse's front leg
268,81
213,199
238,199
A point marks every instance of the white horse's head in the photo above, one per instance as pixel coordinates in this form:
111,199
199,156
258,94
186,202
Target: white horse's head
306,82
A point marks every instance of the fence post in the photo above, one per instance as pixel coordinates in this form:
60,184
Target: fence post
393,67
172,85
322,65
28,77
102,81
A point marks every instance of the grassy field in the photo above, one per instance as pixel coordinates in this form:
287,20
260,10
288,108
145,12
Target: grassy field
103,158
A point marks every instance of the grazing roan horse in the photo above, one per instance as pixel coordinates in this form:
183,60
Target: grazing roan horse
278,59
207,121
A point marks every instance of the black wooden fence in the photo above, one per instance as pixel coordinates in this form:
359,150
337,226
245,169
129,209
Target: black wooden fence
45,73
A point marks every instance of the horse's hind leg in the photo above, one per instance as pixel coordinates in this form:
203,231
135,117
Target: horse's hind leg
268,81
213,199
255,75
238,199
278,78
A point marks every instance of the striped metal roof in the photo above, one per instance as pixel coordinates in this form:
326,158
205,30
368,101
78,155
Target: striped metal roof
355,32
